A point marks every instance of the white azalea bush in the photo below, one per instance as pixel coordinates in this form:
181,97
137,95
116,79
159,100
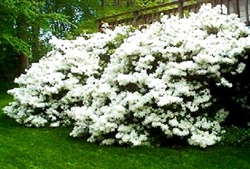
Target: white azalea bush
149,85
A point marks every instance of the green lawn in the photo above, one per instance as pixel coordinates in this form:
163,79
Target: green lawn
53,148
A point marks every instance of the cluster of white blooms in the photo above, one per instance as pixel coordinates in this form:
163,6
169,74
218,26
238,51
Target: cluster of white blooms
55,83
156,80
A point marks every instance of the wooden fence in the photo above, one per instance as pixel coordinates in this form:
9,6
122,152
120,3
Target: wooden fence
151,14
240,7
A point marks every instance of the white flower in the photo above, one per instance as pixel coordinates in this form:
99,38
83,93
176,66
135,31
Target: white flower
224,82
165,100
57,124
241,67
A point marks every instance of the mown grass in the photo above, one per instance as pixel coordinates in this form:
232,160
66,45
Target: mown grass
53,148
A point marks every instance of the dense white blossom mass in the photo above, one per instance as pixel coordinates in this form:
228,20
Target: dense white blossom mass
123,85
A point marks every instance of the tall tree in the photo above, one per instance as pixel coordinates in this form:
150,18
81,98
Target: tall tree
20,23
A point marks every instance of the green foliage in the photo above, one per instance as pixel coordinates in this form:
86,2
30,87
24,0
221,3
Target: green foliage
147,3
236,136
11,12
85,26
21,23
16,43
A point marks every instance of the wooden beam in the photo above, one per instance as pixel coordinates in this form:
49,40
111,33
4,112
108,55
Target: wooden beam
247,13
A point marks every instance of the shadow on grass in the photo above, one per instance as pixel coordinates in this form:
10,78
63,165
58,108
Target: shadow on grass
6,121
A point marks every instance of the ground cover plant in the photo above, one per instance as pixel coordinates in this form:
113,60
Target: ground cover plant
137,87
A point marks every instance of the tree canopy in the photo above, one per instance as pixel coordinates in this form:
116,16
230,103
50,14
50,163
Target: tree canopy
21,23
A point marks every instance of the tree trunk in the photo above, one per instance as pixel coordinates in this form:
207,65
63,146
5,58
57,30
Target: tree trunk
35,42
102,3
22,63
22,34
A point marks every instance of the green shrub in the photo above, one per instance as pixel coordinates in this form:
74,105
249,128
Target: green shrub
236,136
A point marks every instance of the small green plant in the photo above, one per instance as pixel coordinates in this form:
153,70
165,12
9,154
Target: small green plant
236,136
